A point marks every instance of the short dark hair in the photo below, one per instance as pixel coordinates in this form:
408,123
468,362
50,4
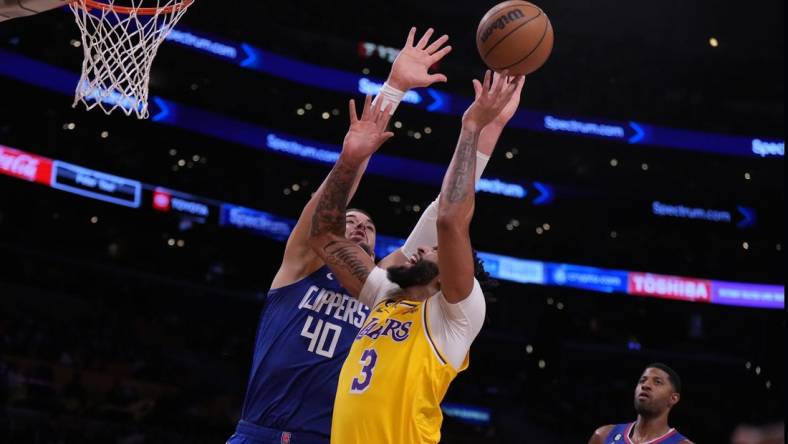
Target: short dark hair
358,210
675,380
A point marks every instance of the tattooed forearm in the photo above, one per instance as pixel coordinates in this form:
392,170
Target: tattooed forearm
461,172
329,215
348,256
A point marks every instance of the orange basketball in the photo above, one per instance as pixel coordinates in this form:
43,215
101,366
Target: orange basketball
515,35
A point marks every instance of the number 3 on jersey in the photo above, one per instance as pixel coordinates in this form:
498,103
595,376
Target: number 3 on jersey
368,360
318,338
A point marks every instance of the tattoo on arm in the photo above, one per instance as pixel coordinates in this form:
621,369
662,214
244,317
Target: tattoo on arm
329,215
347,255
463,167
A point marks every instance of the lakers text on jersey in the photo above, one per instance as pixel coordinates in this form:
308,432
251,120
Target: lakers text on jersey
393,380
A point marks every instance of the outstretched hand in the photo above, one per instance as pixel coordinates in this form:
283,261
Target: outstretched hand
510,108
491,97
367,134
410,69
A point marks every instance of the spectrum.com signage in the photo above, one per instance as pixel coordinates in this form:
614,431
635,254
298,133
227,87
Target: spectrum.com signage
300,149
763,148
746,217
577,127
264,223
683,212
203,44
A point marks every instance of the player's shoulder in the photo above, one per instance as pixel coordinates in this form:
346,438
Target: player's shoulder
288,277
600,434
476,294
604,430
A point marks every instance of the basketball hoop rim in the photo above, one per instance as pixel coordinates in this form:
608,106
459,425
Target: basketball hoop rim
126,10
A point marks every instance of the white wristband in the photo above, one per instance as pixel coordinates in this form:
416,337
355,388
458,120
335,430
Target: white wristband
481,163
391,97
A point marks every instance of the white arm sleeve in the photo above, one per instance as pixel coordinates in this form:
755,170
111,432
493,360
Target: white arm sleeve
481,164
454,326
376,288
426,232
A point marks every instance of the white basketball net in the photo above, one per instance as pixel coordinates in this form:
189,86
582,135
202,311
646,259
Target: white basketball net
119,47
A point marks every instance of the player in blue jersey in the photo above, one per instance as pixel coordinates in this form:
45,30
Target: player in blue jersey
657,392
308,321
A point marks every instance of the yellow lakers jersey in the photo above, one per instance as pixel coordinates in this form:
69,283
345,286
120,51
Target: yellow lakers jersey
393,380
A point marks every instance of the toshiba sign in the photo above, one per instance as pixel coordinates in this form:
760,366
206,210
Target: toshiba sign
669,287
26,166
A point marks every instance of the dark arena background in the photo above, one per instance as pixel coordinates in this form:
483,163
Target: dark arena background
632,212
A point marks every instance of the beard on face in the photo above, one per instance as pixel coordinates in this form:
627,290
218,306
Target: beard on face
645,409
367,249
420,273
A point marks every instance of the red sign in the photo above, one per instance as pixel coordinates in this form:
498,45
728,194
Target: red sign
669,287
25,166
161,200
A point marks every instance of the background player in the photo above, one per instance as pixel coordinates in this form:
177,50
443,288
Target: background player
657,391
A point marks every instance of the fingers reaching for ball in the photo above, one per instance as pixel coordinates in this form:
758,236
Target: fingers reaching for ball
494,98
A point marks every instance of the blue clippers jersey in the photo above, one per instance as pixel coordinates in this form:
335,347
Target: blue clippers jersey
620,435
305,332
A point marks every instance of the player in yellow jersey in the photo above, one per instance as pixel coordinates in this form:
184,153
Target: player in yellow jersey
425,313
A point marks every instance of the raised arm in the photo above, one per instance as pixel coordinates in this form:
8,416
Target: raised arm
489,136
457,197
349,263
410,70
299,260
425,232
